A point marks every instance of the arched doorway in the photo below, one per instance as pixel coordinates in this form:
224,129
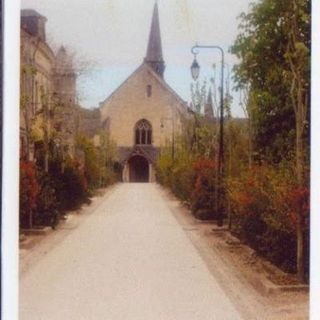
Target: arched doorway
138,169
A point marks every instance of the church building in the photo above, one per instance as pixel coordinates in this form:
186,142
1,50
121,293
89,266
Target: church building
144,113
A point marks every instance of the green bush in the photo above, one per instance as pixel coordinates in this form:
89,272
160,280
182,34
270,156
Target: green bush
176,175
91,162
264,200
181,179
108,176
74,188
164,169
47,212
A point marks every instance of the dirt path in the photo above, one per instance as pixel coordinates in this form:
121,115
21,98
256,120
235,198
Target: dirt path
233,271
129,259
135,254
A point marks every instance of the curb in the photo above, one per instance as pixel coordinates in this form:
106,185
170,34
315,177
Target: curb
30,237
263,284
28,243
41,231
267,287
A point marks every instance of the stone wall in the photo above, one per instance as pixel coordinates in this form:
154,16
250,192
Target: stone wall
48,90
144,95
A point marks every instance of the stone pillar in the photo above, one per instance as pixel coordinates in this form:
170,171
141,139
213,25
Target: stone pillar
125,173
150,172
152,175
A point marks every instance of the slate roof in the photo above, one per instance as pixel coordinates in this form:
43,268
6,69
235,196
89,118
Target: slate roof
154,51
30,13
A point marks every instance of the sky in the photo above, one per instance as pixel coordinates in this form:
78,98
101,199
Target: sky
110,37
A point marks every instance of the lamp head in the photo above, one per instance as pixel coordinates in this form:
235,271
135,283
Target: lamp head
195,69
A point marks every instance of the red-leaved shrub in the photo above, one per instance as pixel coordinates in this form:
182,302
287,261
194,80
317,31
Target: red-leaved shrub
204,194
29,190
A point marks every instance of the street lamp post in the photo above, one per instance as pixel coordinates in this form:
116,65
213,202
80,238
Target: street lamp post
195,71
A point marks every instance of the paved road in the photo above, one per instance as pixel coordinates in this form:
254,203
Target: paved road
130,259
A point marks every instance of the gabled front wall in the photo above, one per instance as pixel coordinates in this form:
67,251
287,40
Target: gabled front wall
130,103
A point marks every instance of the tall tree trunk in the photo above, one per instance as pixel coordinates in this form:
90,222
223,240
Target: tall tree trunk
247,109
30,219
230,173
28,134
300,222
300,181
300,249
46,147
298,59
250,143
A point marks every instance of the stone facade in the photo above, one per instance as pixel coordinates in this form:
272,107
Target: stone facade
64,98
37,61
144,96
130,103
48,91
89,121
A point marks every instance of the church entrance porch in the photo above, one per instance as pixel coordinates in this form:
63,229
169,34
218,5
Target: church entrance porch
138,169
138,163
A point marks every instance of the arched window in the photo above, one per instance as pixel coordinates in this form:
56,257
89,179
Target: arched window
143,132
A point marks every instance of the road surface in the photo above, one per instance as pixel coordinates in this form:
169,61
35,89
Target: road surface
129,259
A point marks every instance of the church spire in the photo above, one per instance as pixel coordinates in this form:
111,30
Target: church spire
154,52
208,109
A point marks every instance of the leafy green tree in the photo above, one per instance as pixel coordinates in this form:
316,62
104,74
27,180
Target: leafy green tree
107,159
262,46
91,163
198,96
274,49
298,56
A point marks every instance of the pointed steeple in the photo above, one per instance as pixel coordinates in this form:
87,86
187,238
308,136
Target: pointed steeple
154,52
208,109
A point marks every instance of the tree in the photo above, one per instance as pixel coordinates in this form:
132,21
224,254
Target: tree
29,190
91,167
198,96
298,56
247,104
274,49
107,159
261,46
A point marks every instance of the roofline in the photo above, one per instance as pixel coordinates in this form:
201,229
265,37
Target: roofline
118,88
40,44
161,81
166,85
33,13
